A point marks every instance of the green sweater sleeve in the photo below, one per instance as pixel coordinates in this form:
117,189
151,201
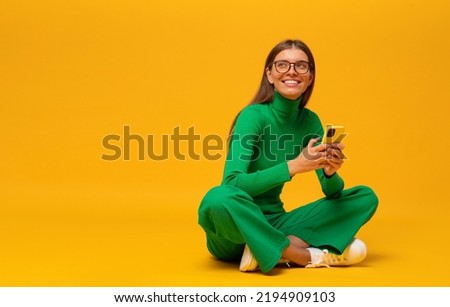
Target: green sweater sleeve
242,149
332,186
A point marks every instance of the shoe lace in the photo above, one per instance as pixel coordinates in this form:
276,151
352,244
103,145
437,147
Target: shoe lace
330,258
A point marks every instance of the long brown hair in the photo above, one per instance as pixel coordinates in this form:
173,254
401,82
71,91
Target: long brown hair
265,92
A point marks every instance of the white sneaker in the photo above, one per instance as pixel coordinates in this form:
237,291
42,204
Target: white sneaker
248,262
354,253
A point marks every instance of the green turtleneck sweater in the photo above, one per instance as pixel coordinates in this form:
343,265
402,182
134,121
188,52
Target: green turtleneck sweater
265,137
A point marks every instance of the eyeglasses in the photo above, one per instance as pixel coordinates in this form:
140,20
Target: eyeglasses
283,66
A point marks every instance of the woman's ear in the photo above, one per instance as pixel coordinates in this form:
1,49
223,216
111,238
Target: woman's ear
269,75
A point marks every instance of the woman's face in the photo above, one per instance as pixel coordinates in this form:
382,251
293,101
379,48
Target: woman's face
290,84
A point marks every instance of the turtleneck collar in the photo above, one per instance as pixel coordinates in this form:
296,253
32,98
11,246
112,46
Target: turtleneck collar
285,108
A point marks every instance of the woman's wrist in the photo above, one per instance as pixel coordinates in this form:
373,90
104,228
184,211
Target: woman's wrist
328,175
292,168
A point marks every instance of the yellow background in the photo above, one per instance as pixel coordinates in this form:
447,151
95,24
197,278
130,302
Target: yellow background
72,72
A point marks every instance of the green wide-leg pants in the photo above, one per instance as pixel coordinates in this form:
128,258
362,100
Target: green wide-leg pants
231,219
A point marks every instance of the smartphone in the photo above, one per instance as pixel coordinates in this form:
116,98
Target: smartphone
334,134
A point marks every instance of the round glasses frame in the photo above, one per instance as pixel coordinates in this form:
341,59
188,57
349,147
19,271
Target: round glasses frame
288,64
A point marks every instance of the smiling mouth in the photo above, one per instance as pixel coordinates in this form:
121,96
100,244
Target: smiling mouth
291,82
